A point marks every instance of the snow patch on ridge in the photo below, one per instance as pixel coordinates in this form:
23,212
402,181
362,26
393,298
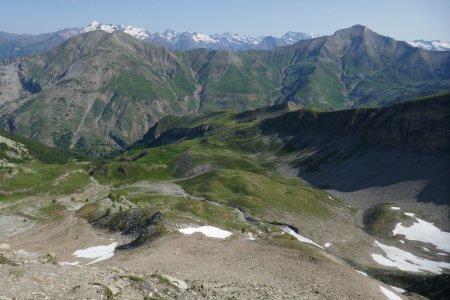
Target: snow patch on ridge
425,232
209,231
405,261
98,253
390,295
398,290
362,273
299,237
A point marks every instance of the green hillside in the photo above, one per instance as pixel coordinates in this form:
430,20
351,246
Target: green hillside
107,89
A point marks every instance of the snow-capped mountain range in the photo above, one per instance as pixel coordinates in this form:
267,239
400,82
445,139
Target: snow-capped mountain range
190,40
136,32
431,45
227,41
16,45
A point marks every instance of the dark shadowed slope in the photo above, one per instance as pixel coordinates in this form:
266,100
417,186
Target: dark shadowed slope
395,154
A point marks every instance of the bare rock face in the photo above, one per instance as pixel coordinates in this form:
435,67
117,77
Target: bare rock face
10,86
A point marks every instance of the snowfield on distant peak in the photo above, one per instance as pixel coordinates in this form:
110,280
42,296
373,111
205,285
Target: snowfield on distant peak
431,45
200,37
209,231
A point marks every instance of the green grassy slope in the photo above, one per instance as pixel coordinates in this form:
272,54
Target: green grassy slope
112,88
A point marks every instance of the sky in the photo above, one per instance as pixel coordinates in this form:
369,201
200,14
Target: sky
400,19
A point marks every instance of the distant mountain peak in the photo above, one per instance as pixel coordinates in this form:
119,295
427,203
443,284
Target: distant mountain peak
359,26
354,30
137,32
435,45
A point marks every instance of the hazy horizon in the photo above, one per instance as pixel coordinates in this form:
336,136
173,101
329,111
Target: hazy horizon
402,20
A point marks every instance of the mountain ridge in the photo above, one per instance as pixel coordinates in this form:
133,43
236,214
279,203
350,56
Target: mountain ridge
13,45
115,87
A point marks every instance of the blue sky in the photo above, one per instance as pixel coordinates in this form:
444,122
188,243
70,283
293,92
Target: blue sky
400,19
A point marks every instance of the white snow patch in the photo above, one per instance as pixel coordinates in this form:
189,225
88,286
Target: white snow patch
68,263
410,214
425,232
329,197
406,261
327,245
398,290
209,231
426,249
250,236
442,254
98,253
299,237
390,295
402,241
395,208
362,273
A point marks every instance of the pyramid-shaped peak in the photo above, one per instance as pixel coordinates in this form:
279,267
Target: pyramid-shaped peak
354,31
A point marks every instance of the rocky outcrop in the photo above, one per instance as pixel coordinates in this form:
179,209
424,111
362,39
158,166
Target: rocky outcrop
142,225
154,137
